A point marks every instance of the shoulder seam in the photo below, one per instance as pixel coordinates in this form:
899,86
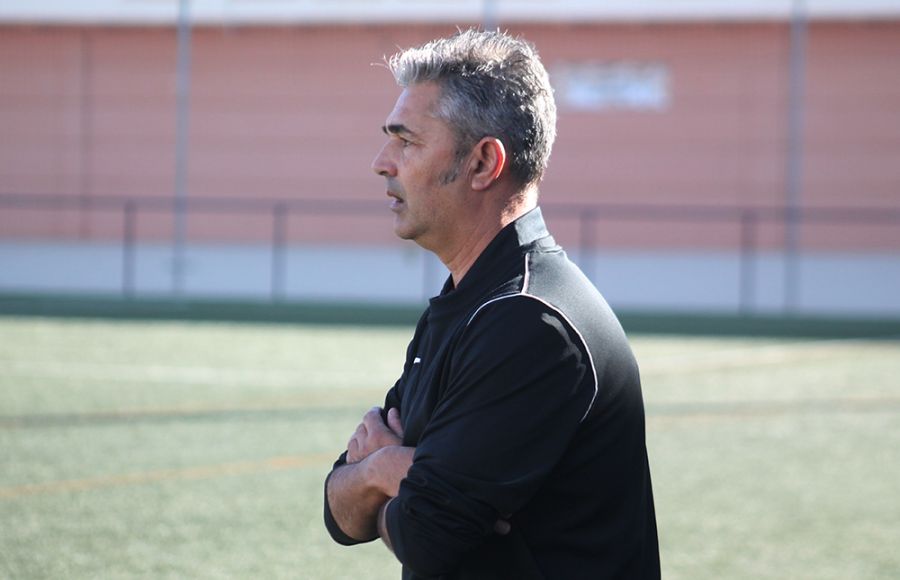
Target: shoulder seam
503,296
525,294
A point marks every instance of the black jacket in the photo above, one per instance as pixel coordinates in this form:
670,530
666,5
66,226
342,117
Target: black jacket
523,400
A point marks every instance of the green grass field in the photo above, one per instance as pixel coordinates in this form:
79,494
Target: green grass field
198,450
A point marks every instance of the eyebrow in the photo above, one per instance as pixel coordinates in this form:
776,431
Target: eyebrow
397,129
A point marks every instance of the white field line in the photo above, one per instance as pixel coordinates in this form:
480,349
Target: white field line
766,355
318,399
186,375
697,361
313,460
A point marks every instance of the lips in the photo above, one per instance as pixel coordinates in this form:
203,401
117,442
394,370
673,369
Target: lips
397,202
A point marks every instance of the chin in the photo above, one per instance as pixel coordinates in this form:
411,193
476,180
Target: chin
402,229
402,233
405,236
406,233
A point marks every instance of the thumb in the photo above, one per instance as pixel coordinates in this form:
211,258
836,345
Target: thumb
393,421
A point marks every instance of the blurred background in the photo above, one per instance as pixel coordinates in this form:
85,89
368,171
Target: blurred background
722,168
722,157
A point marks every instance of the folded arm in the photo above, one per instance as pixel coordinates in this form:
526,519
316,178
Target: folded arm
356,490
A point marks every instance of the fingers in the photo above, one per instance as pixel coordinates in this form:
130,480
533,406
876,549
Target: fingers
373,434
354,447
393,421
352,451
360,434
372,419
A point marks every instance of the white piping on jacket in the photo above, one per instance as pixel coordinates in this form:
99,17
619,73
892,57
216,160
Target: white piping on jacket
524,292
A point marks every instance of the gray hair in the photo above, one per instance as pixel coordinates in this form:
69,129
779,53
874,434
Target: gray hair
493,85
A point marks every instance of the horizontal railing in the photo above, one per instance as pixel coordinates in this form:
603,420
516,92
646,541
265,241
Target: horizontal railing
747,221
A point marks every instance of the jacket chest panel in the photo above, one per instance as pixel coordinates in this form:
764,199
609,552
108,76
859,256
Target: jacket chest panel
424,385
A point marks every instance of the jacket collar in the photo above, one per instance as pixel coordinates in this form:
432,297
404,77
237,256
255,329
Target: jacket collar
496,265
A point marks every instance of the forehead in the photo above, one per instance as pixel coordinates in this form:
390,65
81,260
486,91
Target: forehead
416,107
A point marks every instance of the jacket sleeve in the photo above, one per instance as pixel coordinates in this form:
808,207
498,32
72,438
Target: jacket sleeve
519,383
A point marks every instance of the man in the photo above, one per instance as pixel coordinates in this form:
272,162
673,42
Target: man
513,444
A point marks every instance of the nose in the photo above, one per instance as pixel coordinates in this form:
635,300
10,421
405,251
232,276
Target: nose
382,164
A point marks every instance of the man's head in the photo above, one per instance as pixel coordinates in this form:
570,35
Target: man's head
492,85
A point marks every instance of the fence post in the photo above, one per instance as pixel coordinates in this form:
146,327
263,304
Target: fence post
128,249
182,145
586,242
794,154
748,251
279,216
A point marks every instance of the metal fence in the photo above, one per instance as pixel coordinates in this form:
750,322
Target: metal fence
744,222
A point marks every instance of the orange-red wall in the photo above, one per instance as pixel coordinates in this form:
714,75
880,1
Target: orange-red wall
295,112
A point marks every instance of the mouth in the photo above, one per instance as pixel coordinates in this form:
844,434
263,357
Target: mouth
397,203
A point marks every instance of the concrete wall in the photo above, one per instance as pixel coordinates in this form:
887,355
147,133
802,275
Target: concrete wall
294,113
829,283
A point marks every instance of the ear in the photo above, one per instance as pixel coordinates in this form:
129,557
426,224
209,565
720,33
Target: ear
488,160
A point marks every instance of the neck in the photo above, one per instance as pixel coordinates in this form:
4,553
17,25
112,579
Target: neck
484,230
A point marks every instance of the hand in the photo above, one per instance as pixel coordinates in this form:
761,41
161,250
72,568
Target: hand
373,434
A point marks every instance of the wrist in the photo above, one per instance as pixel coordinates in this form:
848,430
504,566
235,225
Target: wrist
389,467
374,475
378,471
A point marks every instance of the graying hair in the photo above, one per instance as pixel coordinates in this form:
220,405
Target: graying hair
493,85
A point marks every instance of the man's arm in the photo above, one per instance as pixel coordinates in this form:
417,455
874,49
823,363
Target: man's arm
376,464
355,492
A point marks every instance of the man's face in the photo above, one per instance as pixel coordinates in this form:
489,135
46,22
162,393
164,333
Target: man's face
419,163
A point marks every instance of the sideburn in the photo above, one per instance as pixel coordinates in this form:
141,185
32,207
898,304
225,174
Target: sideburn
452,174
